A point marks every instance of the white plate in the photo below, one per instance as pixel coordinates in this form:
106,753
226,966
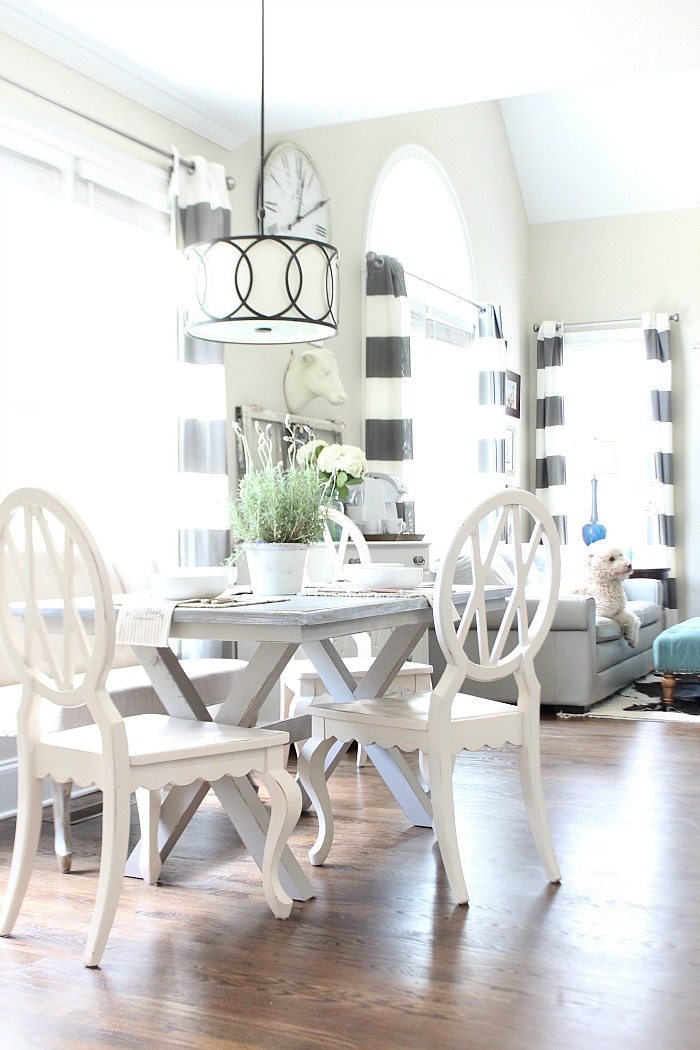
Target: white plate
196,582
384,574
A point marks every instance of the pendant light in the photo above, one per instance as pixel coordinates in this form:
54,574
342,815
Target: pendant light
263,288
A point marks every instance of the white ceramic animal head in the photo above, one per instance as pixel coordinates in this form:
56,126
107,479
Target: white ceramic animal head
607,562
312,372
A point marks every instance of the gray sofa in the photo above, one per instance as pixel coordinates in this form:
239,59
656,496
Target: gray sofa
584,658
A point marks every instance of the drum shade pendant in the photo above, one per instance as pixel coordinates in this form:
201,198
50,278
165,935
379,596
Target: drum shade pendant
263,288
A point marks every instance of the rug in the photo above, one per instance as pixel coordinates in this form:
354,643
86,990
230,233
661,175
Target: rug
639,701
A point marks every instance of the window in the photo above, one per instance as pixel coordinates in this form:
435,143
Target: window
417,219
88,337
606,408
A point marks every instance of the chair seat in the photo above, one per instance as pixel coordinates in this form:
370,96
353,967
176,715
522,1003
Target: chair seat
411,712
304,670
159,738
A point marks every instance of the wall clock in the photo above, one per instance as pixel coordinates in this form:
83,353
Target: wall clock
293,196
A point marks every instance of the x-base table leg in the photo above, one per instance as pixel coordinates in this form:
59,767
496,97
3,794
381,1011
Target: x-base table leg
391,765
238,797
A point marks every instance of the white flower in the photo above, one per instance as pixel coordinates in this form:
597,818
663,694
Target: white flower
309,452
348,459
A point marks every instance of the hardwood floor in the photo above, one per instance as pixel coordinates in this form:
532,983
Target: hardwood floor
381,958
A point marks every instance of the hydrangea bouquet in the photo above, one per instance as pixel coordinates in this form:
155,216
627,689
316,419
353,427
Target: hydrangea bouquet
339,466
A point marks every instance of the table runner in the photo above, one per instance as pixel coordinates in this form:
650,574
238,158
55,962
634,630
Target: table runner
348,591
145,619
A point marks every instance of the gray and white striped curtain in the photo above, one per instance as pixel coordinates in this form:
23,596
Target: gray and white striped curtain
201,213
550,465
491,350
661,524
388,394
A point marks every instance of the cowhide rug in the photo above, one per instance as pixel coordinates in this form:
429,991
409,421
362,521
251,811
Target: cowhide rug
642,700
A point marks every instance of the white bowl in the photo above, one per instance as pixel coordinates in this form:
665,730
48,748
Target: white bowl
196,582
379,575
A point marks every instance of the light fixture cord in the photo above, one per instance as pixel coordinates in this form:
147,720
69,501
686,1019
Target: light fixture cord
261,196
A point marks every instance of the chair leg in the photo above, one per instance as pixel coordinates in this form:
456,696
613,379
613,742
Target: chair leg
424,770
115,846
310,767
150,864
363,758
62,833
285,808
28,828
531,785
298,705
442,799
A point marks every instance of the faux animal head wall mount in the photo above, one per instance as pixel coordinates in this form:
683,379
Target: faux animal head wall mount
312,372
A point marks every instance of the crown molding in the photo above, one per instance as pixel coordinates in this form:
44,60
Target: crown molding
44,35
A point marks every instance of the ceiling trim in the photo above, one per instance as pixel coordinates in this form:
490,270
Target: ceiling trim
48,39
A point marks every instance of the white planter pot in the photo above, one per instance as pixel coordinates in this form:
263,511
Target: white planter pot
276,568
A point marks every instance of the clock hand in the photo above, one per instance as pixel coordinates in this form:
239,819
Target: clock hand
315,208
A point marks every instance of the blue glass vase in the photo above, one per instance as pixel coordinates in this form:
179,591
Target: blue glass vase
593,530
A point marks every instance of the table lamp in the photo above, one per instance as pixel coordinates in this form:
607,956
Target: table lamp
603,458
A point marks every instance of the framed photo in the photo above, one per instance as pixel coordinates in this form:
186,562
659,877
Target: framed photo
512,393
279,425
509,452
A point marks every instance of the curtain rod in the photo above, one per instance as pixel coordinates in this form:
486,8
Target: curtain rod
618,320
372,257
230,181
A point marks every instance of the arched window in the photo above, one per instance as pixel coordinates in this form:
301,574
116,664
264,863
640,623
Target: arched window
416,218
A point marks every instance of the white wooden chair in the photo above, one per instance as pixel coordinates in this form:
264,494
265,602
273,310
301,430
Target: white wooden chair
300,683
119,755
443,722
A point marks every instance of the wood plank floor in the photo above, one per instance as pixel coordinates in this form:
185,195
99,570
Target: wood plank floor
381,958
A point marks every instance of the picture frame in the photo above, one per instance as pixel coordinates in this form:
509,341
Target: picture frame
512,394
279,426
509,451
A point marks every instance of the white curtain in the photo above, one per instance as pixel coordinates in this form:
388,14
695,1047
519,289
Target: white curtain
201,213
550,466
491,349
87,342
661,522
388,387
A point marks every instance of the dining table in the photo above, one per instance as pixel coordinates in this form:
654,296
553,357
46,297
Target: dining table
310,622
314,623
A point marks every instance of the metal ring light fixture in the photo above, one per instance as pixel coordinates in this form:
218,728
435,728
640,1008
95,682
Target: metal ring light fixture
262,288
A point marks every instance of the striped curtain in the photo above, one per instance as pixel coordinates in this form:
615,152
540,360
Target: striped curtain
491,350
550,465
201,213
661,524
388,394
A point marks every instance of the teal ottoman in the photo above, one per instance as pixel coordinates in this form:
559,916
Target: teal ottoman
677,655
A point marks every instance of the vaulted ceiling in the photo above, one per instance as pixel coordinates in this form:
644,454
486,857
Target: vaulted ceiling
601,98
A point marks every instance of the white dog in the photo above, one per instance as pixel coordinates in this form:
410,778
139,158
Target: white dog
607,567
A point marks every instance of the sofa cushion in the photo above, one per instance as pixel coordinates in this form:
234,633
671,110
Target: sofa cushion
499,573
648,612
606,630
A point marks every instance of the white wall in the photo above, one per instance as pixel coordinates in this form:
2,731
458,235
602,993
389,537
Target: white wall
597,269
471,144
469,141
58,82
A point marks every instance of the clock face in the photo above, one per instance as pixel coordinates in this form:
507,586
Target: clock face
293,198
